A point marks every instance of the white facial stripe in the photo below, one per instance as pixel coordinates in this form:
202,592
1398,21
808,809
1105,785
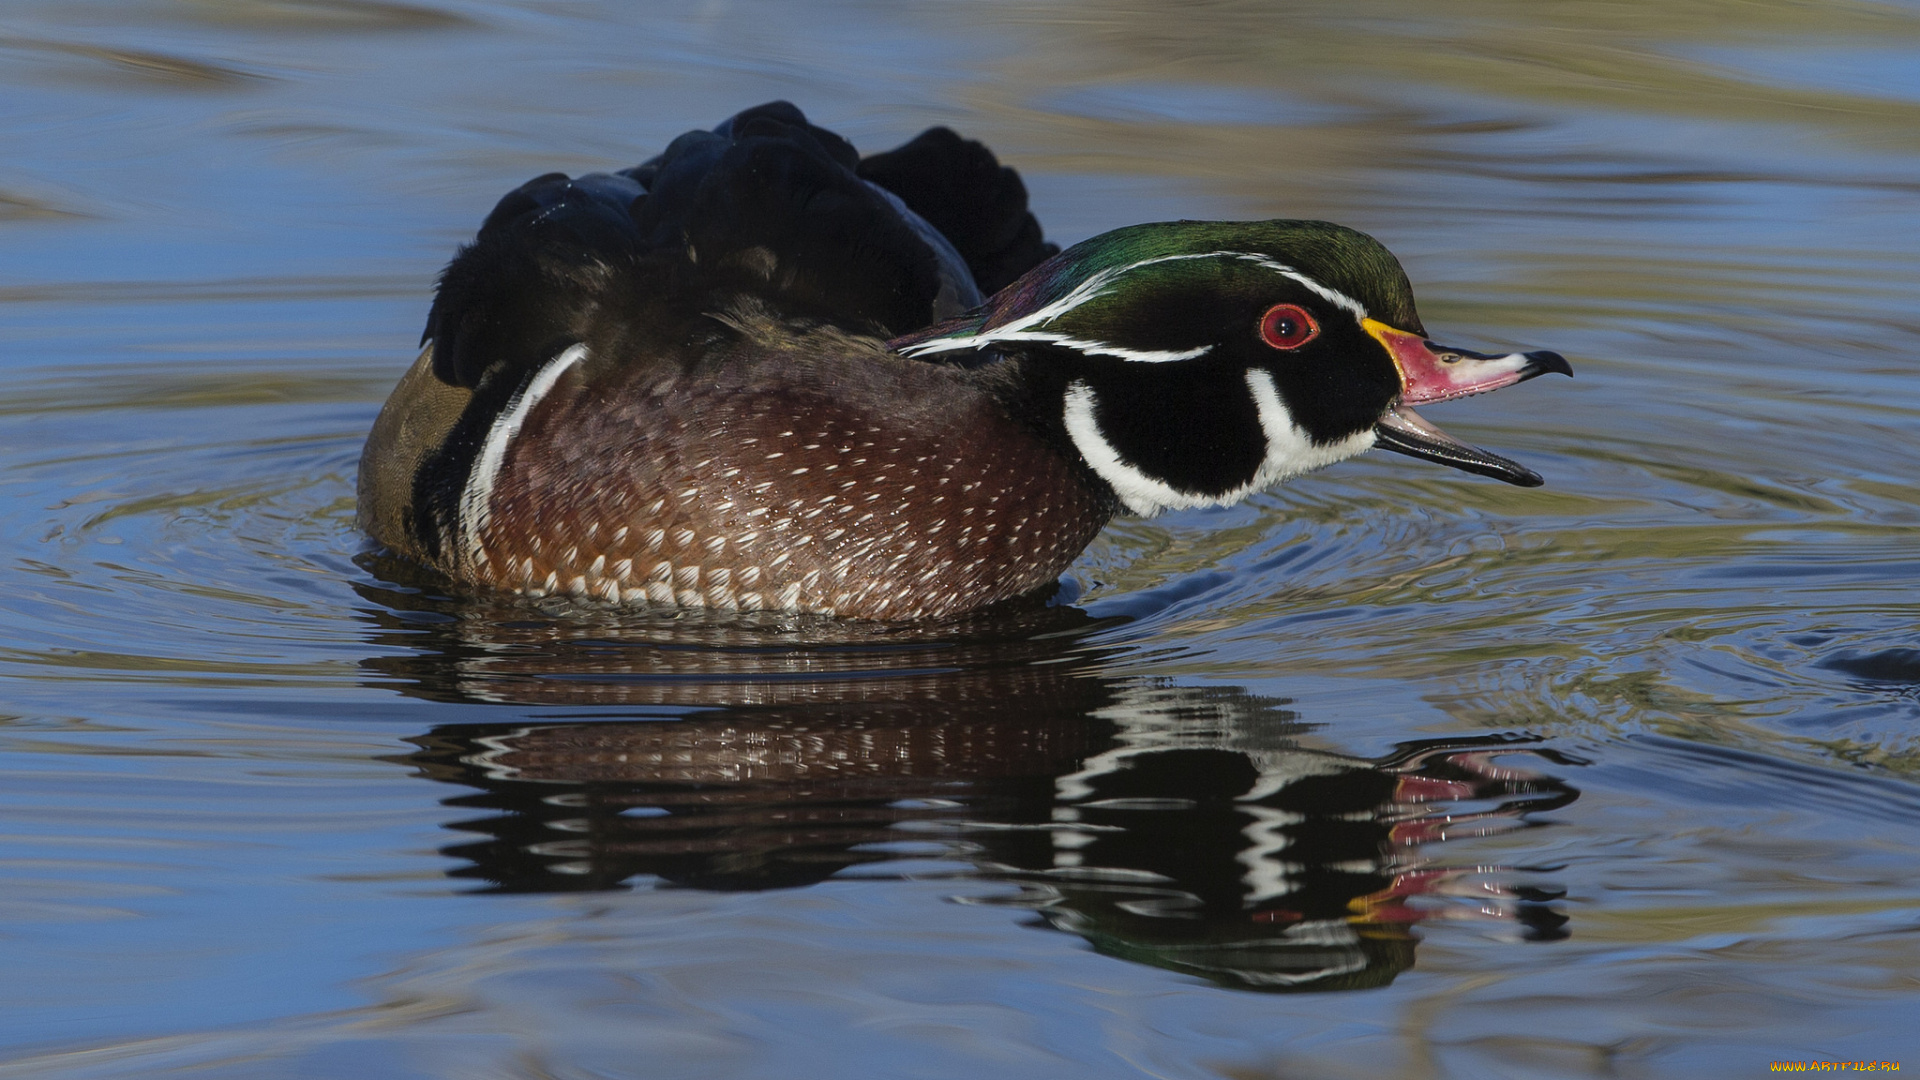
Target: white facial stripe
1095,348
1141,493
1020,329
476,499
1290,451
1331,296
1027,327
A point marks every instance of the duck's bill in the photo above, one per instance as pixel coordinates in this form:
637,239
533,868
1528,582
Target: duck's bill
1430,373
1405,432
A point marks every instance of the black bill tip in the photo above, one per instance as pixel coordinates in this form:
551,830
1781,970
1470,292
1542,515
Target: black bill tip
1542,361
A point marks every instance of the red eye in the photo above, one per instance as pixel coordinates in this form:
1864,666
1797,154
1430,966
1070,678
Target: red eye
1288,326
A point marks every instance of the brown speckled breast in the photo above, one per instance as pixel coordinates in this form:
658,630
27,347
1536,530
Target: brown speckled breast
864,486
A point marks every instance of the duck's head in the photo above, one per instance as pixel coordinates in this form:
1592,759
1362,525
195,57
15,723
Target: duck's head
1195,362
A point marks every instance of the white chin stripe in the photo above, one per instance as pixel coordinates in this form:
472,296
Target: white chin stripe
1289,451
477,498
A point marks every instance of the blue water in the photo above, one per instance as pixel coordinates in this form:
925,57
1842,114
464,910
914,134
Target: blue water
1390,771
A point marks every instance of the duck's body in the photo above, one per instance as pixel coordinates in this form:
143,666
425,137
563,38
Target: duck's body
809,470
712,381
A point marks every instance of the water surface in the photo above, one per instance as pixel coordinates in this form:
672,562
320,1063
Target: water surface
1390,770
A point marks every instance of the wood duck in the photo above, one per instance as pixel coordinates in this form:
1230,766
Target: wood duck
757,372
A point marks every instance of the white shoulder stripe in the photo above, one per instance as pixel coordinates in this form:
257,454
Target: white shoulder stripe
477,498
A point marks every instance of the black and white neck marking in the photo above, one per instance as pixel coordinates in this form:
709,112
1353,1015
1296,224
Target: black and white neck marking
1289,451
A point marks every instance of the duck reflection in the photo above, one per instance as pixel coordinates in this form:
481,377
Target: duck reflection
1196,844
1190,828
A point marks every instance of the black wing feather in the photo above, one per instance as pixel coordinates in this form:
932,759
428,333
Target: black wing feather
530,282
770,207
963,190
766,205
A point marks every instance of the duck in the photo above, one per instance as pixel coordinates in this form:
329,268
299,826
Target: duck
761,372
